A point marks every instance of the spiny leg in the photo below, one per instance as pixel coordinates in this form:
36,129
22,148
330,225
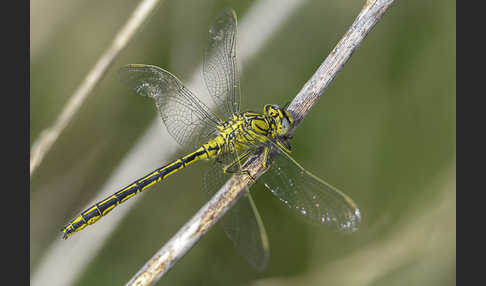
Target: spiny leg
230,168
266,152
236,163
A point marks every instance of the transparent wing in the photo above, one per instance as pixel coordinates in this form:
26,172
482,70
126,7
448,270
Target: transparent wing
220,68
242,223
308,195
187,119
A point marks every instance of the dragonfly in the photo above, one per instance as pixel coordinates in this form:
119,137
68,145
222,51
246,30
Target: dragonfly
227,137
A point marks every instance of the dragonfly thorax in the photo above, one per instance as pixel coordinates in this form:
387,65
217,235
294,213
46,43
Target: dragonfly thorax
250,129
246,129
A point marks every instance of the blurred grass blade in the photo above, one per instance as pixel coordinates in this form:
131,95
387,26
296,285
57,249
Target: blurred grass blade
49,135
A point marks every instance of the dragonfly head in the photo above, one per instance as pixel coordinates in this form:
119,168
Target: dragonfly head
282,118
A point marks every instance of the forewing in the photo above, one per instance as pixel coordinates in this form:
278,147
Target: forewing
308,195
220,68
242,223
188,120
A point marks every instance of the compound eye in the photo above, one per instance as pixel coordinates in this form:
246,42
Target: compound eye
284,128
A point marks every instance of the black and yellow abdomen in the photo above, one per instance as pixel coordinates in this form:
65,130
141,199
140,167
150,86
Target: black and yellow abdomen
102,208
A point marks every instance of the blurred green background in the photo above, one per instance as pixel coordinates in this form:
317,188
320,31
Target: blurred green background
384,132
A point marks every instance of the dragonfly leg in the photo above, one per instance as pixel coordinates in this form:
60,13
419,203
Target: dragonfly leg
284,144
266,151
232,168
246,172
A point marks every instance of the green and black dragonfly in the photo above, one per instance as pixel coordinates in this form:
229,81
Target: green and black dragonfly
228,137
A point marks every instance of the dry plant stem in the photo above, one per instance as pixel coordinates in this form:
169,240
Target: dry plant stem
212,211
370,14
48,136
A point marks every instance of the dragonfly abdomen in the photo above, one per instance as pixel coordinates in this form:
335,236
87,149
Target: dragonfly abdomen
102,208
